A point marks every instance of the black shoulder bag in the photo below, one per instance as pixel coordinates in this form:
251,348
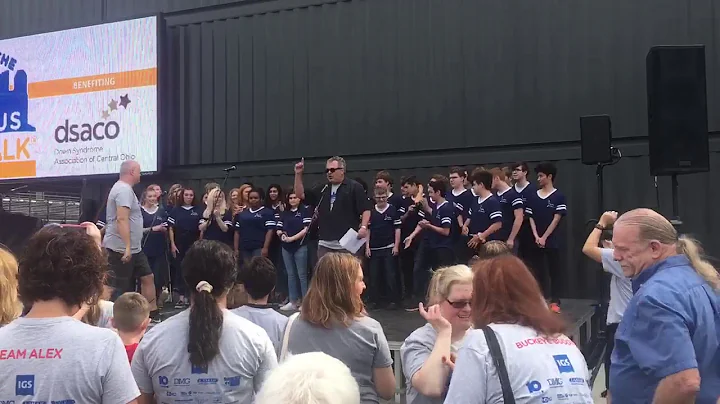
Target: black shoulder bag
499,361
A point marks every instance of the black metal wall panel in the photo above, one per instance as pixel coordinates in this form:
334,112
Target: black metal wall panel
25,17
281,79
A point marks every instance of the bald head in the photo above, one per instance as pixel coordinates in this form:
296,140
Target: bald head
130,172
642,237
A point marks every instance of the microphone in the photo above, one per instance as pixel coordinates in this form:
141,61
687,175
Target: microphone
231,168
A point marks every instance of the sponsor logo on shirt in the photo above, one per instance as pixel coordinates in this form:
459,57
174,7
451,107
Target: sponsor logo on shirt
555,382
25,385
13,402
163,381
576,381
534,386
563,396
563,364
181,381
198,370
545,399
25,402
233,381
543,341
207,381
170,394
63,402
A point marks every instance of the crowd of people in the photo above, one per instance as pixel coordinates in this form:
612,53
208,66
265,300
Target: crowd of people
493,334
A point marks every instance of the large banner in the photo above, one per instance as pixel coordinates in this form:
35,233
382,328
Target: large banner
79,102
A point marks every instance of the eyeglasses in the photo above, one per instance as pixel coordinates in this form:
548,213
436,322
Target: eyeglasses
460,304
331,170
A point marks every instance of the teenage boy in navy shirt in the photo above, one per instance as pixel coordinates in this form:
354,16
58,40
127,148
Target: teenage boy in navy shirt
512,206
436,250
545,210
485,217
411,189
385,180
526,190
462,200
382,247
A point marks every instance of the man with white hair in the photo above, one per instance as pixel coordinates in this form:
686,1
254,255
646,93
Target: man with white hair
123,238
310,378
666,347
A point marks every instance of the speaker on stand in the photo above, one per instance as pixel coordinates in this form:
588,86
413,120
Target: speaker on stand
596,150
677,114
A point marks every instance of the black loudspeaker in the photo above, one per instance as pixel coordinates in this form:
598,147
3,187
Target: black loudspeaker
677,110
595,139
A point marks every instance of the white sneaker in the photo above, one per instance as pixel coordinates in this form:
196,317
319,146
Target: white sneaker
289,307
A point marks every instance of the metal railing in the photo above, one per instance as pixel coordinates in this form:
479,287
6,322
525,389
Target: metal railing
50,208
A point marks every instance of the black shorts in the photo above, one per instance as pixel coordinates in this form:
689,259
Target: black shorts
123,274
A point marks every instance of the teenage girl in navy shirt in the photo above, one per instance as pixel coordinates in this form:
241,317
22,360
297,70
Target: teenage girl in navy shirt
292,229
275,200
184,222
154,239
254,228
217,220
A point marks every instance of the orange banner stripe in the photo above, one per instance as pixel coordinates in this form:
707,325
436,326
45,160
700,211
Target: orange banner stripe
90,84
16,169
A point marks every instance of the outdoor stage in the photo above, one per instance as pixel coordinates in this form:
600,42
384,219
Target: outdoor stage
398,324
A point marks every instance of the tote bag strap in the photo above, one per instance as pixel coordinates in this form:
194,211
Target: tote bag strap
499,361
286,337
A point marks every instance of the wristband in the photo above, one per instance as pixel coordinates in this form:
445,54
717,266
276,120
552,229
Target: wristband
600,227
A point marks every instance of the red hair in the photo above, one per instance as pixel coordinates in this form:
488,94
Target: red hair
504,291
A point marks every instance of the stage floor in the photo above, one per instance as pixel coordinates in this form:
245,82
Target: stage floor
398,324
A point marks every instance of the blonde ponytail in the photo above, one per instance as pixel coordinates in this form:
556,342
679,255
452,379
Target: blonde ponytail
691,248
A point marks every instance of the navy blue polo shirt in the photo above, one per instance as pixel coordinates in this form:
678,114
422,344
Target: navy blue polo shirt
671,324
442,216
510,201
253,226
543,211
462,202
483,214
291,222
185,221
382,227
214,232
396,200
153,243
411,221
526,193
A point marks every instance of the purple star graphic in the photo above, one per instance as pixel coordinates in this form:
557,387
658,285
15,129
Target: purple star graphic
124,101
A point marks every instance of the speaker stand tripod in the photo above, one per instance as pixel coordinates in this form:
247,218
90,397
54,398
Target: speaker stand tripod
675,219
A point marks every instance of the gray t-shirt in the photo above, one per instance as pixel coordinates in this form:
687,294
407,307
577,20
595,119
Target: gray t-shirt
266,317
122,195
620,287
414,352
362,347
61,359
161,364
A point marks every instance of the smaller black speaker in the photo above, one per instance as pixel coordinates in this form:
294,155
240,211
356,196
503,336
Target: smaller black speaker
595,139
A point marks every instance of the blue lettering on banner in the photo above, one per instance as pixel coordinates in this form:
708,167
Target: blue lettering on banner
181,381
563,364
545,400
207,381
576,381
25,385
232,381
556,382
534,386
198,370
163,381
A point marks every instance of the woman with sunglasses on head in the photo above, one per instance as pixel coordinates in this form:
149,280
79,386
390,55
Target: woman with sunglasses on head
515,328
217,221
254,228
184,222
426,352
218,356
333,320
48,355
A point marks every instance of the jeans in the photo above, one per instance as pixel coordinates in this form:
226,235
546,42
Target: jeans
296,267
383,268
426,260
